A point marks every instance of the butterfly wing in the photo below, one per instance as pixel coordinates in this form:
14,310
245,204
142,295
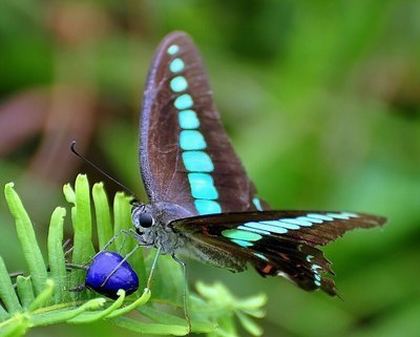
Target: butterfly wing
277,242
185,155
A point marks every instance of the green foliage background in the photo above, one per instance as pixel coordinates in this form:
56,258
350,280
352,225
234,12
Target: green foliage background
321,100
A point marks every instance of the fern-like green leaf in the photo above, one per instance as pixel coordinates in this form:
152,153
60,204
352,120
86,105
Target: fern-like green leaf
43,295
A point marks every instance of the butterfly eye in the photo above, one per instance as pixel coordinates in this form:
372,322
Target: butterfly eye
145,220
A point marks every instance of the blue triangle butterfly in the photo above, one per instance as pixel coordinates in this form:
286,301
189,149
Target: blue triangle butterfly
201,200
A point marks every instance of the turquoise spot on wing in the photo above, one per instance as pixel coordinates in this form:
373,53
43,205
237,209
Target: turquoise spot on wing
351,215
317,276
266,227
241,235
320,217
311,220
242,243
202,186
278,223
178,84
176,65
207,207
188,119
298,222
173,49
197,161
257,203
184,101
191,140
255,230
338,216
261,256
287,224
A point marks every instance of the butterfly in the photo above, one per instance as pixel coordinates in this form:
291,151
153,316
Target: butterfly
201,201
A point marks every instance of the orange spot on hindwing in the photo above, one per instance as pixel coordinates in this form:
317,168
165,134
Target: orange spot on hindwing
267,269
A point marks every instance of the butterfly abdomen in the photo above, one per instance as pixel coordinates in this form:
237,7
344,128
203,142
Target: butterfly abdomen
215,256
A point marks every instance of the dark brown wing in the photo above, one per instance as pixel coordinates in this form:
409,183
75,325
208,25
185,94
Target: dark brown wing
186,157
278,242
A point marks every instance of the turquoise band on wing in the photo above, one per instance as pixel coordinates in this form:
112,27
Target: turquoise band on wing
183,102
192,142
176,65
197,161
242,243
266,227
241,235
202,186
314,268
257,203
178,84
188,119
258,229
207,206
173,49
255,230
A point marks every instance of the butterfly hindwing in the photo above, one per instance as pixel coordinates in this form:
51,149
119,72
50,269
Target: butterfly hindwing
186,156
278,242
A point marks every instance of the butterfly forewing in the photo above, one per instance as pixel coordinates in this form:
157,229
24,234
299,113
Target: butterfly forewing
186,156
278,242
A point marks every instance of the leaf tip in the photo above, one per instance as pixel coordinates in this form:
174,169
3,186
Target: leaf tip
9,185
81,179
9,189
50,283
98,186
120,292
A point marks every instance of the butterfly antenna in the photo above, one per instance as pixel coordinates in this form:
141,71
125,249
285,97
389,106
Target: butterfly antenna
75,152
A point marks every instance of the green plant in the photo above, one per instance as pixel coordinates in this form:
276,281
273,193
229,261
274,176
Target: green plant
42,297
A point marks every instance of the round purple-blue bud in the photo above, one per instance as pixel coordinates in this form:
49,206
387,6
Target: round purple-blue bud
102,265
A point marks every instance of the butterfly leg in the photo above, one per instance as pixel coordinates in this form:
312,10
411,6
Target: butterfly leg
126,232
186,291
152,269
77,289
72,266
67,248
14,275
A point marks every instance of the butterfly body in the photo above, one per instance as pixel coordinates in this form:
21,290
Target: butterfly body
163,236
202,203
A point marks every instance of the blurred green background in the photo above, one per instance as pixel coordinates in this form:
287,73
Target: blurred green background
321,100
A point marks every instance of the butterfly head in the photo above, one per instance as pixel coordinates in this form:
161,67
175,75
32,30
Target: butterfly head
143,220
152,225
